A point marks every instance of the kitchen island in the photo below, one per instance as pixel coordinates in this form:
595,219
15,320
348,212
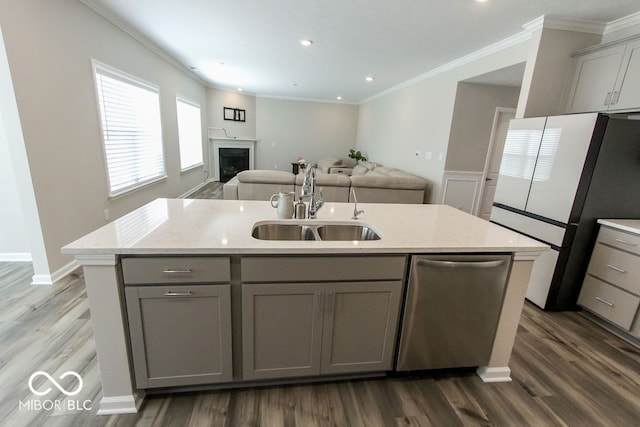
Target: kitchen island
119,261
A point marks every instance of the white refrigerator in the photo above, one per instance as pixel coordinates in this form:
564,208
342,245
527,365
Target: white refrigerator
558,175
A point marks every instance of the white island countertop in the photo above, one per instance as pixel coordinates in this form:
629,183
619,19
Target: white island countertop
196,226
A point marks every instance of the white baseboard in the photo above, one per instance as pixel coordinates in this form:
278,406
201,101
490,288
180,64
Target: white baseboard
194,189
15,257
61,273
494,375
129,404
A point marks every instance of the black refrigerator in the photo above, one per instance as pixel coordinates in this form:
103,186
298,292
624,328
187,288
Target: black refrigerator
558,175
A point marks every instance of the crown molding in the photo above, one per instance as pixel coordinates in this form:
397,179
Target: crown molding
116,20
623,23
541,22
316,100
557,23
503,44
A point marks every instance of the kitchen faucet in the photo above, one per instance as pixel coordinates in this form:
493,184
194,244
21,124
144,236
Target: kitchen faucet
309,190
356,212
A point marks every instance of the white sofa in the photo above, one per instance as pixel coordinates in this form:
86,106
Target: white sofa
371,182
258,185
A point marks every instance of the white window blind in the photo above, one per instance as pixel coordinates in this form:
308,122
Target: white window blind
131,128
189,134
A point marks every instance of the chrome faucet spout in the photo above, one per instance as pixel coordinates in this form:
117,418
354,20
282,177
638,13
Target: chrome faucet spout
309,191
356,212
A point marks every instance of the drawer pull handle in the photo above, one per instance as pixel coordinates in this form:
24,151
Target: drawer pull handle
626,242
172,271
177,294
607,99
614,268
604,301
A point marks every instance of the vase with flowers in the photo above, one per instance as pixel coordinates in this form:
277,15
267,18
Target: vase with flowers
302,163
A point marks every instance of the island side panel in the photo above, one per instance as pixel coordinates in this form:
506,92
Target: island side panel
498,368
118,392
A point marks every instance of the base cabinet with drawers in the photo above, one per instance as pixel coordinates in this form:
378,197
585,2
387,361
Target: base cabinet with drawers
611,288
179,313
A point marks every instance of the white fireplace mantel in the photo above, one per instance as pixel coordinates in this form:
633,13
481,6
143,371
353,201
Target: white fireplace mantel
217,143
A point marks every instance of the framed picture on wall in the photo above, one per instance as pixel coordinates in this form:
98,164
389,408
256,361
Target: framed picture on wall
233,114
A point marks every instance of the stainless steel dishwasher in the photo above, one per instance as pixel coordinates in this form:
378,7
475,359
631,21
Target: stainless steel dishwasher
452,309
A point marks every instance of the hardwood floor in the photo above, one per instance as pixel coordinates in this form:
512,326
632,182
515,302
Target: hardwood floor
566,372
211,190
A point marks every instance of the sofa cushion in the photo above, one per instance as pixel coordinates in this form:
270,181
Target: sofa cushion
369,165
266,177
403,181
329,180
359,170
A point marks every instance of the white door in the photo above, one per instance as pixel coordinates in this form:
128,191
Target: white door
494,156
560,162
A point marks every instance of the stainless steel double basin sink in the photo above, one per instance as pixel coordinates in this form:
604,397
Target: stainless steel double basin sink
328,231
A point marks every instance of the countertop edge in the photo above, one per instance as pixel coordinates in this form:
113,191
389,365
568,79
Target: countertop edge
623,225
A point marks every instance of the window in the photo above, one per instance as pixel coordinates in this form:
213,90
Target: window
189,133
131,129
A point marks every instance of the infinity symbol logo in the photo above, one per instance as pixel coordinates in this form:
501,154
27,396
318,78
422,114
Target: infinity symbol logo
55,383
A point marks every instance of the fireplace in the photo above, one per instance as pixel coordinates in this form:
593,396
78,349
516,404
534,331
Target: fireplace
230,156
232,161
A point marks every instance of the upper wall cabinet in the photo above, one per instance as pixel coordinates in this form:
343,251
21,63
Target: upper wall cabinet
606,78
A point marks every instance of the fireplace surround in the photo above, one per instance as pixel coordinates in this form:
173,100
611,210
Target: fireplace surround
237,155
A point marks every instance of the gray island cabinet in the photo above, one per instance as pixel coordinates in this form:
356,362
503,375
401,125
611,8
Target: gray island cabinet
304,316
181,295
180,331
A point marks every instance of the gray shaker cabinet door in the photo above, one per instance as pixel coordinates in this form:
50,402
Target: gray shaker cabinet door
360,324
281,330
180,335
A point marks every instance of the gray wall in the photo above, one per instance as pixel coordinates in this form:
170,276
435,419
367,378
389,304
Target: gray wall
50,45
217,100
287,129
418,117
13,234
473,113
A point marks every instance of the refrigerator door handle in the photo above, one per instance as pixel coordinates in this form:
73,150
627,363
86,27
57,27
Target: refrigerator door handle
607,99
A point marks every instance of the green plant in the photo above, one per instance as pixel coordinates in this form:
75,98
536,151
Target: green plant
357,155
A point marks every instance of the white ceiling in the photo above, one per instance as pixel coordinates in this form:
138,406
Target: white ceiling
394,41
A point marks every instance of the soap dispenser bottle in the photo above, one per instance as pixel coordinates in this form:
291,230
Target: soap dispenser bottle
301,210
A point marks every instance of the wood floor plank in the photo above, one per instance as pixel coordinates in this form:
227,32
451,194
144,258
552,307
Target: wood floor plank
566,372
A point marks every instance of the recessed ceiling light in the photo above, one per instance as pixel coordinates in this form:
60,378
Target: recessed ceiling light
369,78
239,89
338,98
306,42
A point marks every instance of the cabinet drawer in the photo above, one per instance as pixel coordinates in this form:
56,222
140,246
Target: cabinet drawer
322,268
138,271
609,302
619,239
617,267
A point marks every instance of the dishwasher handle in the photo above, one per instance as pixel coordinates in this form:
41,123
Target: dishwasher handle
455,264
